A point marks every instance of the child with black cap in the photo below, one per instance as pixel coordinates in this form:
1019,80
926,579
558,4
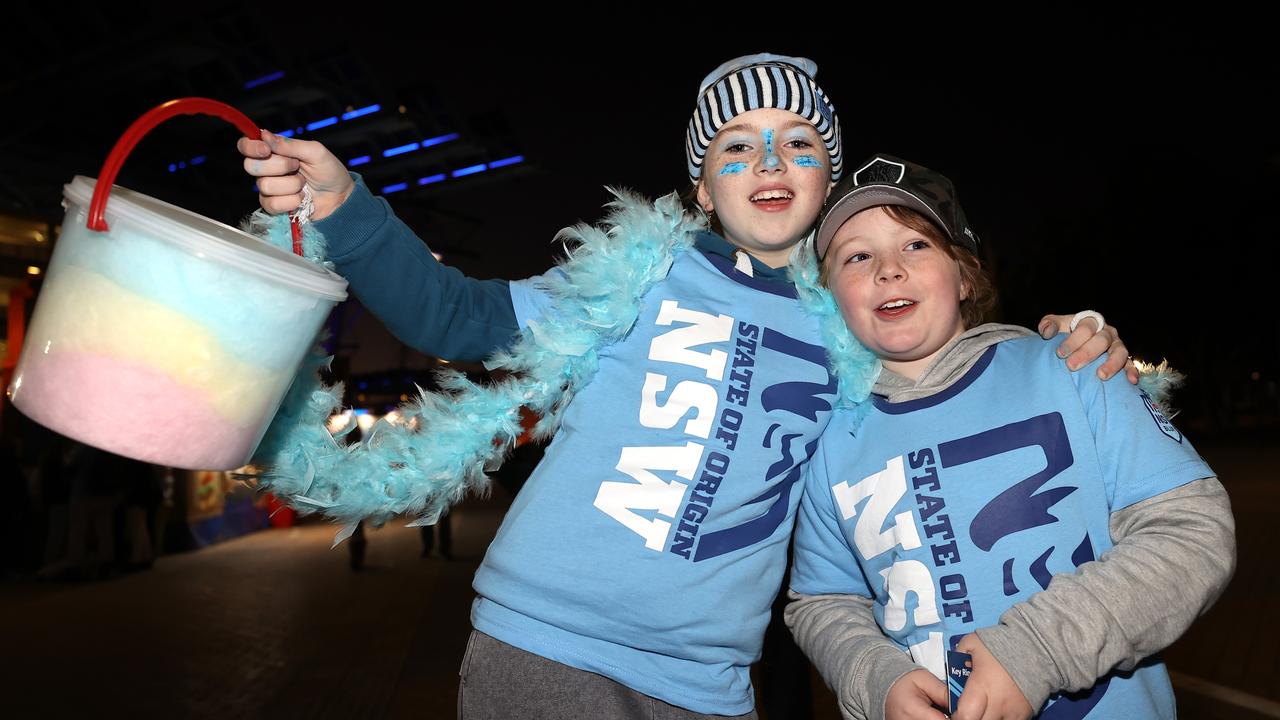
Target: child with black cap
635,570
987,512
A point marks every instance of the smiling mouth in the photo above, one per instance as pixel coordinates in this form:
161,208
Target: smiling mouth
896,308
896,304
779,195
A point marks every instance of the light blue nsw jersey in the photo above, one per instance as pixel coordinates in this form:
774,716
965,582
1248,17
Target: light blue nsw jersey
651,541
948,510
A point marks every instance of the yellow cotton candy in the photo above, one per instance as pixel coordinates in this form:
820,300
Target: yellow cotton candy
95,315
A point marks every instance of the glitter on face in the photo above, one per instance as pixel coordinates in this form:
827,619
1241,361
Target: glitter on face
770,157
733,168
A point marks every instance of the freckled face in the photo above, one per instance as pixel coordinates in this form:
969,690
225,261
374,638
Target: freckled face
899,292
766,176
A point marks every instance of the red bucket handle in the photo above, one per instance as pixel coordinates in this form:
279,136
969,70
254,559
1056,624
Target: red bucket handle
147,123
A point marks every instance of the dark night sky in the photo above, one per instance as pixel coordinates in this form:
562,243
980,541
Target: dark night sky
1132,168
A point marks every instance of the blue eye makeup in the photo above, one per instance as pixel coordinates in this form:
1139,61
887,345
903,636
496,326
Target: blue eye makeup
795,140
737,142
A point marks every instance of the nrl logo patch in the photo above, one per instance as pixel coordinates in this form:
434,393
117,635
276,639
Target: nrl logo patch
1162,422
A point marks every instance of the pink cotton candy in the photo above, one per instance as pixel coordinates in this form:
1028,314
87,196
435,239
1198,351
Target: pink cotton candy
131,410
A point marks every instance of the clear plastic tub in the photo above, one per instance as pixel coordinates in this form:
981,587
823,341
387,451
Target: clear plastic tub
171,338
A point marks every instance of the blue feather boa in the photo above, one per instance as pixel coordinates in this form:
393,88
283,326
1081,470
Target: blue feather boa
441,445
855,367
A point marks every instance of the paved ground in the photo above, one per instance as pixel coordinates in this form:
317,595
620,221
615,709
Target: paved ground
271,624
276,624
1236,645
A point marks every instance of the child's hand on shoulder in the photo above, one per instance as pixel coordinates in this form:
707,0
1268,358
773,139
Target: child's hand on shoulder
916,696
989,693
1087,342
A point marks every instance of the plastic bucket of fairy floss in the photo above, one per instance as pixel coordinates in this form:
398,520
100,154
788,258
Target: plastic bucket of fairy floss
163,335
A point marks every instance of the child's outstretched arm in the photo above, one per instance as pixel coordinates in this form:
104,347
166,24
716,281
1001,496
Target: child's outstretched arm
840,635
1173,556
428,306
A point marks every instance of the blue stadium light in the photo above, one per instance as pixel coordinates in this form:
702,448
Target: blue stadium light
506,161
322,123
432,179
395,188
182,165
285,133
256,82
440,139
400,150
173,167
358,161
198,160
469,170
361,112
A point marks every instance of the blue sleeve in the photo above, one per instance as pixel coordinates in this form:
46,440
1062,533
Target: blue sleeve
823,563
1141,453
428,306
530,297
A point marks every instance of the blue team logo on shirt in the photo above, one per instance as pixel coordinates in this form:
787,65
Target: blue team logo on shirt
1158,415
804,399
1026,505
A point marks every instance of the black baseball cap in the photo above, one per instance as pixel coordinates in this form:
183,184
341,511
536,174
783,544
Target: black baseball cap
887,180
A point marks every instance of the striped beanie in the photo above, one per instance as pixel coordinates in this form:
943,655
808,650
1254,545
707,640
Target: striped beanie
759,81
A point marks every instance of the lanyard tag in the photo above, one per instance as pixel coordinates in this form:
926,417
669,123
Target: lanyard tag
959,667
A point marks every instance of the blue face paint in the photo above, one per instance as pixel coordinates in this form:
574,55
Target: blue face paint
733,168
808,161
770,158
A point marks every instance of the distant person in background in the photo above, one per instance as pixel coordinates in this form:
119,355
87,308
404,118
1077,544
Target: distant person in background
142,491
99,482
445,528
357,543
